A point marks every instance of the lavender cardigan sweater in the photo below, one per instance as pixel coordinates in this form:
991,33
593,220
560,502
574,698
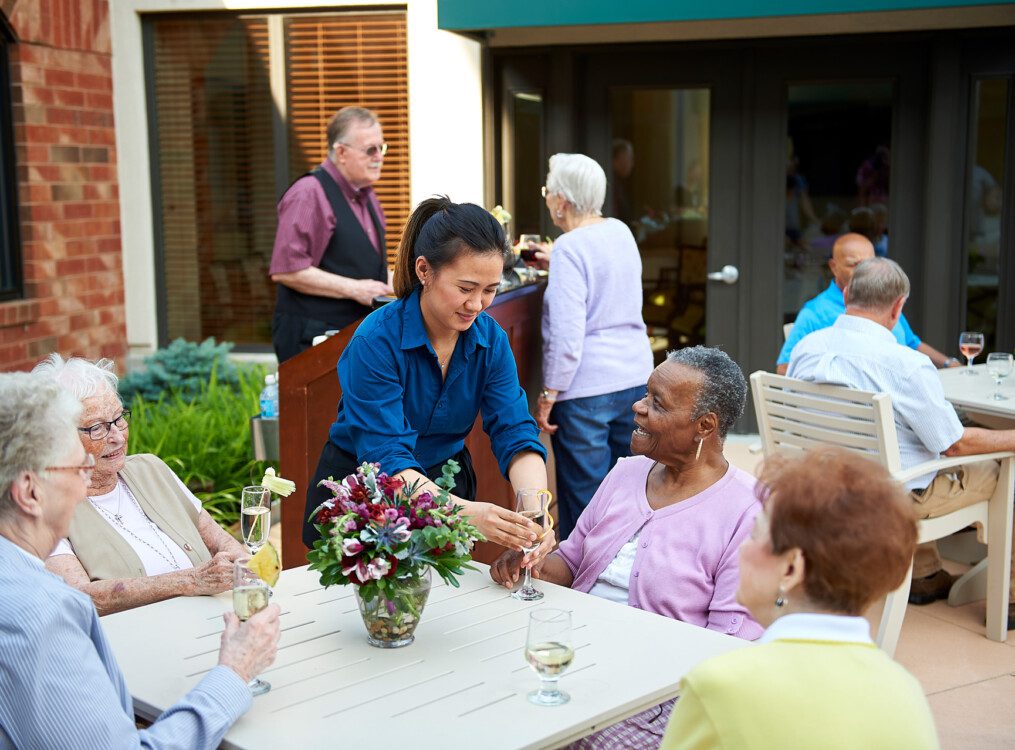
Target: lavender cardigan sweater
594,339
686,563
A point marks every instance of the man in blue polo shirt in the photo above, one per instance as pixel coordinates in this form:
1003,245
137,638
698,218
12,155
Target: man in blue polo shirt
849,251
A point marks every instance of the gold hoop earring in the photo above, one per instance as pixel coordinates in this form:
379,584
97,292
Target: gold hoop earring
697,454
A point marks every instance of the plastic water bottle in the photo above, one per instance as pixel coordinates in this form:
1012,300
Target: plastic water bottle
269,398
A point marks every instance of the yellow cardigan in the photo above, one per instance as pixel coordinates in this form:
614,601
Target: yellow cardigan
830,695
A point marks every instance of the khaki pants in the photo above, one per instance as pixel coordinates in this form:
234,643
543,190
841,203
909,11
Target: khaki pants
950,490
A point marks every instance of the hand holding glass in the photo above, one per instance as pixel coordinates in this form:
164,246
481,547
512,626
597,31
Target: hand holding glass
549,651
255,517
534,505
528,254
970,344
999,365
250,596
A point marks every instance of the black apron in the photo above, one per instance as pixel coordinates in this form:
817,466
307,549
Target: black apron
298,316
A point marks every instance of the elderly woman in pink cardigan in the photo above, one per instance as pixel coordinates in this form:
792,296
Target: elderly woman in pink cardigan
662,532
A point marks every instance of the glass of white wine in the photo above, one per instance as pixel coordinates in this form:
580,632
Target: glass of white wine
255,517
549,651
533,504
999,366
250,596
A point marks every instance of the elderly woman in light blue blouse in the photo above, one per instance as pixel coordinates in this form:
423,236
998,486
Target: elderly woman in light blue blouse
596,355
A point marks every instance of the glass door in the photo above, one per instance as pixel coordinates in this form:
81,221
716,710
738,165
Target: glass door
659,186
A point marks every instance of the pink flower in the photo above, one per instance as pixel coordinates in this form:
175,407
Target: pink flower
351,547
378,568
391,514
357,568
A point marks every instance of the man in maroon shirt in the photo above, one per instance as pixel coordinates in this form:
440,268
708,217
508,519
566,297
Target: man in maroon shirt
329,258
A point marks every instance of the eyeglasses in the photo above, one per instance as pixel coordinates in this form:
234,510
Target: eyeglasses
85,469
371,151
543,191
99,430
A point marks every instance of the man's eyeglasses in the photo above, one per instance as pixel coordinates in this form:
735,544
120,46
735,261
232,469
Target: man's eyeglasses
99,430
371,151
85,469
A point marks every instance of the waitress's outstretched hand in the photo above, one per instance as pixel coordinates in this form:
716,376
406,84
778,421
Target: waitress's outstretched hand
502,526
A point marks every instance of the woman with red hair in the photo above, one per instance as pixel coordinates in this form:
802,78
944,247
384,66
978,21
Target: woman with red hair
835,535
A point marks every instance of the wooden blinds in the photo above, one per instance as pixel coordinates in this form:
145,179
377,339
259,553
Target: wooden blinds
215,177
335,61
216,148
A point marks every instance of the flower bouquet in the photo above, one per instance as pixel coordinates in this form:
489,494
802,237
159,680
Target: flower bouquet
383,538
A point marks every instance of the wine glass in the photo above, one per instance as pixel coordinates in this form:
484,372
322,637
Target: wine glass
549,651
534,504
250,596
528,254
999,364
970,344
255,517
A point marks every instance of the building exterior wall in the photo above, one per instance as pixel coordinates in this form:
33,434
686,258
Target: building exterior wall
65,144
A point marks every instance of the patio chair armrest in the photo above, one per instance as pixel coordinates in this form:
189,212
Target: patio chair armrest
948,462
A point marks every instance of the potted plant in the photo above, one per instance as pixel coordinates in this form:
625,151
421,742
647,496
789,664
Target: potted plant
383,537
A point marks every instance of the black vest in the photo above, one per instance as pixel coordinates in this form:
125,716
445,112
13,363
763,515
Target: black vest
349,253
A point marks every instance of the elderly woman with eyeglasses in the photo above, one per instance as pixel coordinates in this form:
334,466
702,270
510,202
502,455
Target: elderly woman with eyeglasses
596,353
142,536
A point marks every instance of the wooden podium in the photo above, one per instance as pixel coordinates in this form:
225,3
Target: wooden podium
309,392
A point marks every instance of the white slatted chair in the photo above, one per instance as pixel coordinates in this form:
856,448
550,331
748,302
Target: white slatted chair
786,328
795,416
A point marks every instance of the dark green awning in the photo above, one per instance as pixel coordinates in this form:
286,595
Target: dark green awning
475,15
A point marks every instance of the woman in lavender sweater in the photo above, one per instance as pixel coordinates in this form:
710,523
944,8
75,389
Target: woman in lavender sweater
596,355
662,532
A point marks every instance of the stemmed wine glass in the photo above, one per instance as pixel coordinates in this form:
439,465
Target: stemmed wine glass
250,596
534,504
999,364
970,344
255,517
549,651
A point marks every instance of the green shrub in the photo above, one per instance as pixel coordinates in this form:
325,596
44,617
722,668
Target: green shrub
182,368
205,438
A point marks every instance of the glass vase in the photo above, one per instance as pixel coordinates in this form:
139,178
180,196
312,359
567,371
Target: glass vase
391,617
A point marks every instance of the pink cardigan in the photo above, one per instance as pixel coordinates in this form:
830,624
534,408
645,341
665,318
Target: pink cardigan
686,563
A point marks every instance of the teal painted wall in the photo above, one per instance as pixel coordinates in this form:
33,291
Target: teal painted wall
491,14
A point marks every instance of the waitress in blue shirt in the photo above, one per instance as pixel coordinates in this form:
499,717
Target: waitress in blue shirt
418,371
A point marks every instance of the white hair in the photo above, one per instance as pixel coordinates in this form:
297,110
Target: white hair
580,180
38,427
81,377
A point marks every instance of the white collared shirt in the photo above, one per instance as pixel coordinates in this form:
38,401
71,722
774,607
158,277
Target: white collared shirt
812,626
859,353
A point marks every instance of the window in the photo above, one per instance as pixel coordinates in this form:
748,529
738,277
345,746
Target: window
10,249
226,144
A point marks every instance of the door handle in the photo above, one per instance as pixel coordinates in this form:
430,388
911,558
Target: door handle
728,275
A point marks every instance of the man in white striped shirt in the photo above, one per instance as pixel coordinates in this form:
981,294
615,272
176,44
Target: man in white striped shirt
60,686
860,351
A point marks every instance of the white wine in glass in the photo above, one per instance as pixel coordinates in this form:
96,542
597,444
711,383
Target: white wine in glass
255,517
970,344
999,366
250,596
549,651
534,504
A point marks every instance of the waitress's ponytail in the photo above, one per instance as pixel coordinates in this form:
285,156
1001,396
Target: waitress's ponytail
438,230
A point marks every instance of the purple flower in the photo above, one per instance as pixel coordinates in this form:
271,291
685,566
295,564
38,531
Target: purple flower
350,526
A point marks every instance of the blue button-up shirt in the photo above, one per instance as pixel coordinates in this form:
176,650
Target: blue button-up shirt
60,685
822,311
397,411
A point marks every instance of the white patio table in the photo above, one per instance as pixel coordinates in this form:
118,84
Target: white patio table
463,683
972,394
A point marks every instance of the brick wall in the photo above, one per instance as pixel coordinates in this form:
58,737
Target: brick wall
67,189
